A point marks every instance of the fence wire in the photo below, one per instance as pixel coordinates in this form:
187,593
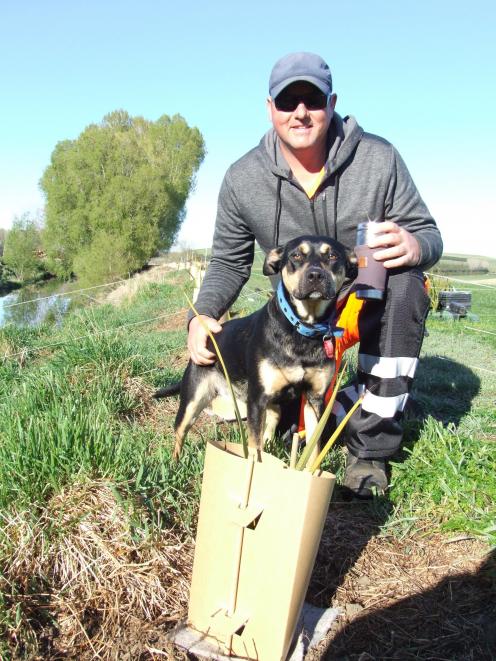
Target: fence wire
247,294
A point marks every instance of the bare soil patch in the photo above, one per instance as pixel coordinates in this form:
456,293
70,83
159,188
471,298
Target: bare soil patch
427,596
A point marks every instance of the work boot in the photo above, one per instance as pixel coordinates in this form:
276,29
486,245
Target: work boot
365,478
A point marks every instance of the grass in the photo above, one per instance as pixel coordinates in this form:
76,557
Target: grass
444,478
77,411
74,407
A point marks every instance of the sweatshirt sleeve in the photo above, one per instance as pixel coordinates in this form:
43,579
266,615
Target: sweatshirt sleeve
405,207
232,256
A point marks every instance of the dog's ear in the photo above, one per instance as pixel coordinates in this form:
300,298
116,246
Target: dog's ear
272,264
351,265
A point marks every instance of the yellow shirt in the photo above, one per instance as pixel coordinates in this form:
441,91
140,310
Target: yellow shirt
310,191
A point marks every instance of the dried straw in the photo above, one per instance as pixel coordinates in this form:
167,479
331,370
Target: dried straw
106,586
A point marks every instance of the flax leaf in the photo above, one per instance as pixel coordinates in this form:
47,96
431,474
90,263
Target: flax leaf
228,380
334,436
302,463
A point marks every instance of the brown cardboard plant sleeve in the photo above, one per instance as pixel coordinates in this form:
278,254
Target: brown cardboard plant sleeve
259,529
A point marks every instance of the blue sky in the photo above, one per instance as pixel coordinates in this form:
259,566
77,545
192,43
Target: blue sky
420,74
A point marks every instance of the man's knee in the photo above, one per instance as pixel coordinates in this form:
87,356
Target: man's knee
395,326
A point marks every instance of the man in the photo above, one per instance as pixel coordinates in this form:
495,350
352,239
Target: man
317,173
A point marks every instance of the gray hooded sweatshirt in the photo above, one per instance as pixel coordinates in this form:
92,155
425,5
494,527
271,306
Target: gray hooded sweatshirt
260,200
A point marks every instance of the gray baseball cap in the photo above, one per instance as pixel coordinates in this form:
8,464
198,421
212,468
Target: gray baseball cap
300,66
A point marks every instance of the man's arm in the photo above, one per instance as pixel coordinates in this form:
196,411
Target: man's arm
229,269
409,235
232,256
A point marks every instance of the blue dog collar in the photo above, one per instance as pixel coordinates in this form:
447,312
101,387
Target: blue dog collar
324,329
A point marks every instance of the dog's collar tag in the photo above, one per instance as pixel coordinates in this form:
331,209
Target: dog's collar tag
330,340
329,343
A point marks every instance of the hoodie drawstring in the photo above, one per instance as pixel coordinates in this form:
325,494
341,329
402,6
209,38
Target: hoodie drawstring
277,216
336,193
334,187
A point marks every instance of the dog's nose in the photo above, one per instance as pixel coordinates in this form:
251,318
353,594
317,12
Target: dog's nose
315,275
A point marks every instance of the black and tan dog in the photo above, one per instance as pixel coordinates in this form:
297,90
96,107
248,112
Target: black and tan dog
275,354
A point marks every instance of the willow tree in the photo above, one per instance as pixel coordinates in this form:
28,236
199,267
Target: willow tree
117,193
21,251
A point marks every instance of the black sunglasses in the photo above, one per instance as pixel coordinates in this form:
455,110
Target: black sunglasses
311,100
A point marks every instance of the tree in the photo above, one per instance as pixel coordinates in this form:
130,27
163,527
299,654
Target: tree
21,253
3,234
104,260
122,185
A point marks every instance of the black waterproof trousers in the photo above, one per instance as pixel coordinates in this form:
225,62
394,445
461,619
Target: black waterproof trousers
391,334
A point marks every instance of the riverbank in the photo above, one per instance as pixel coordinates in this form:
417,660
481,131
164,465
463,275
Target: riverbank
7,286
50,299
156,271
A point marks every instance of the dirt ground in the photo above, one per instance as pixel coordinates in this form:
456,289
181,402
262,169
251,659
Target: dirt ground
428,596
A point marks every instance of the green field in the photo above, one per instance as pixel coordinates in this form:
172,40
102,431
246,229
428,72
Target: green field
90,500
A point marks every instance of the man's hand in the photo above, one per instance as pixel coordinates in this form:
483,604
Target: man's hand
197,340
401,248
